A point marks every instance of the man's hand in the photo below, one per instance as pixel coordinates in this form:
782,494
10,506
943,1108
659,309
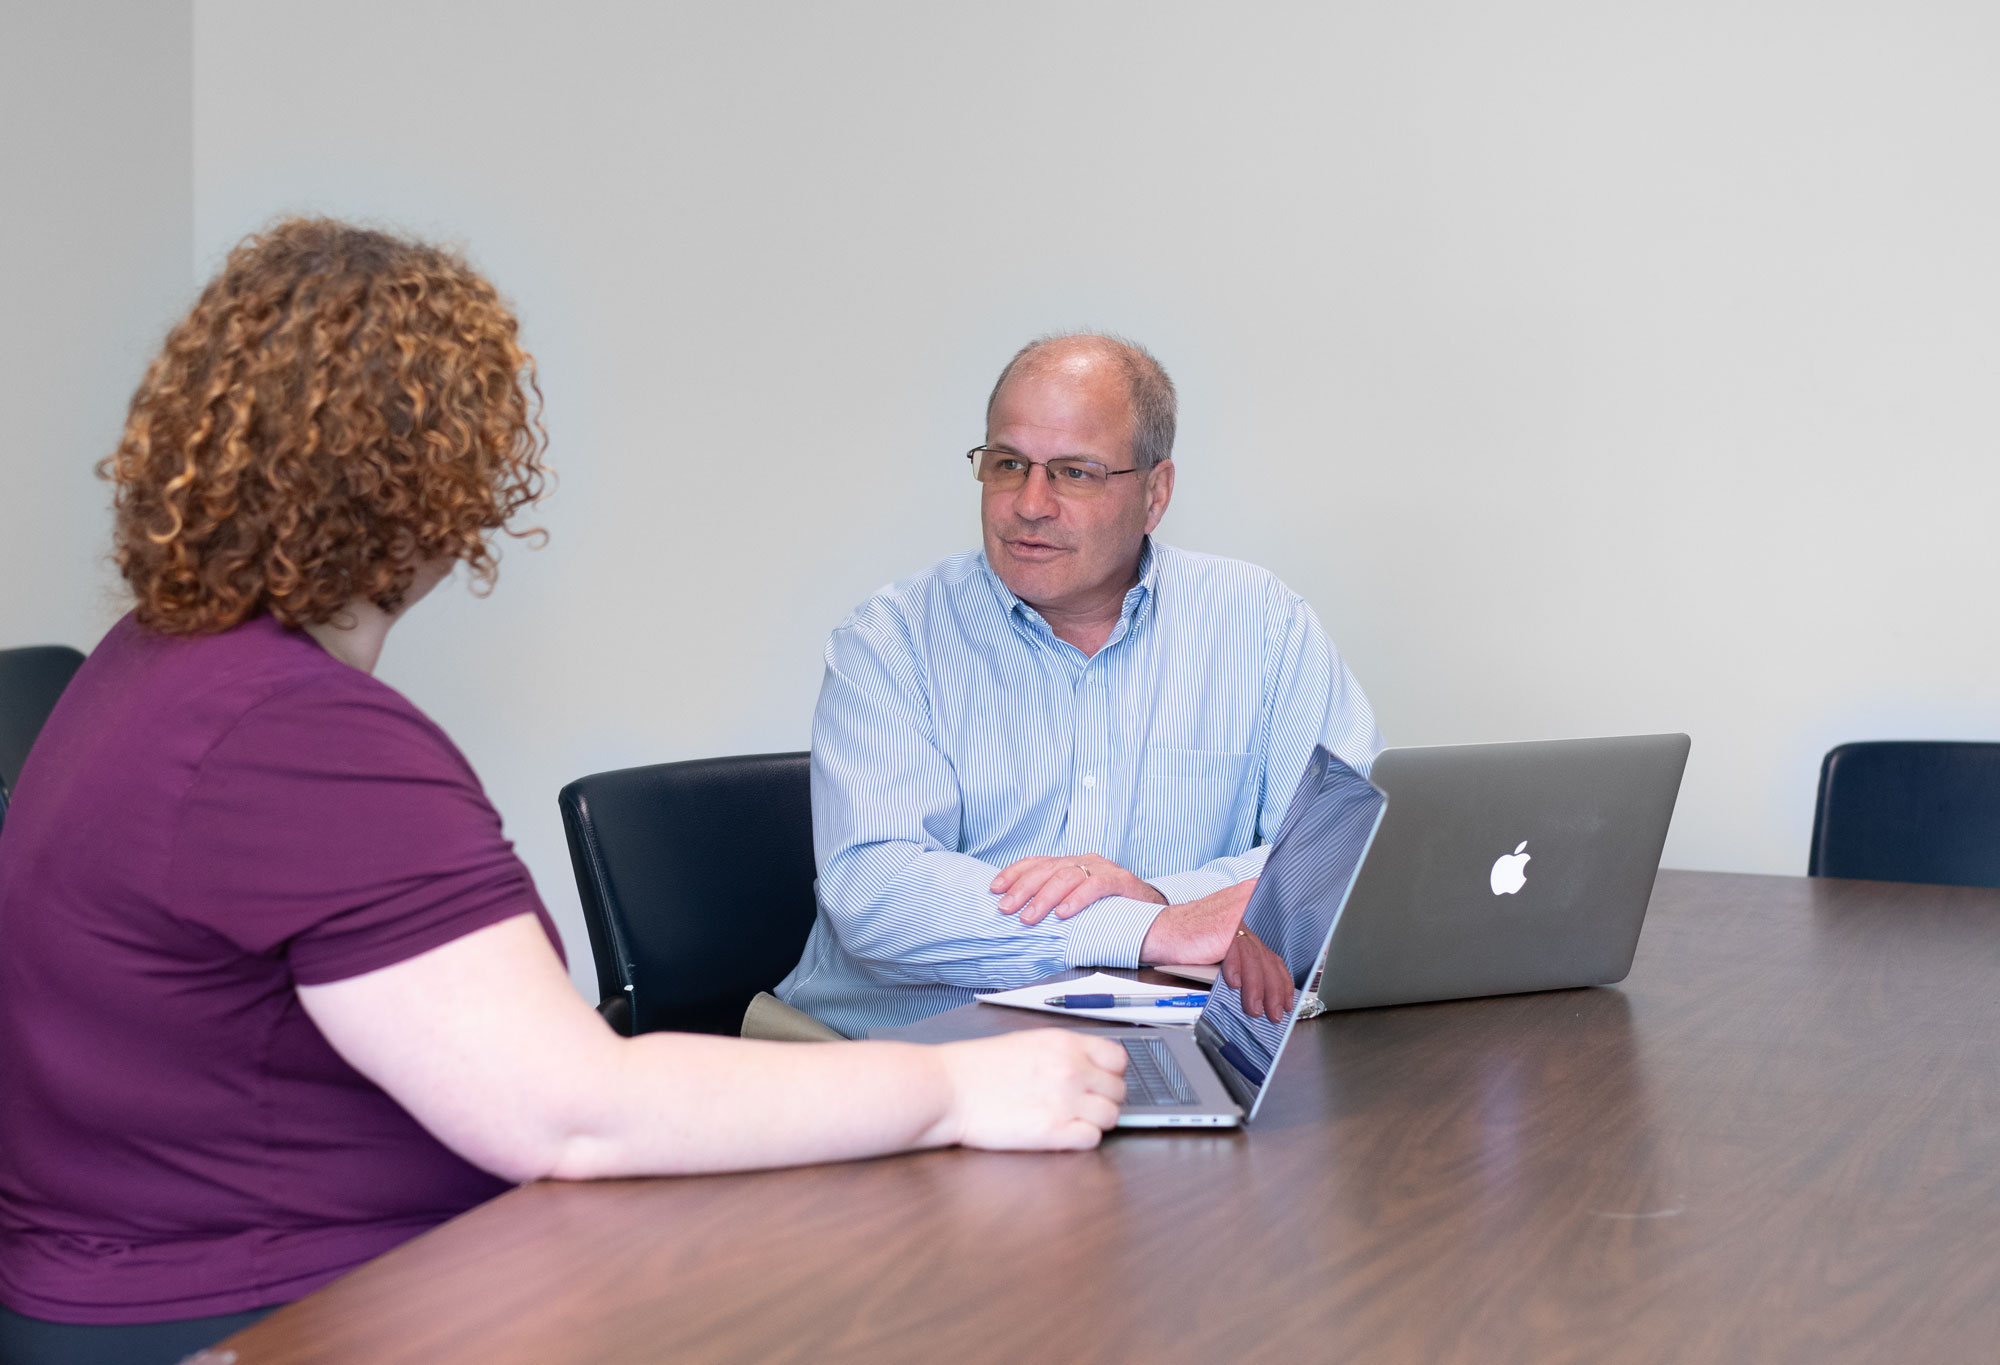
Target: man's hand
1259,976
1037,1090
1199,931
1211,930
1038,887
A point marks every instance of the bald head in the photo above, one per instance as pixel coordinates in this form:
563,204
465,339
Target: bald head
1078,354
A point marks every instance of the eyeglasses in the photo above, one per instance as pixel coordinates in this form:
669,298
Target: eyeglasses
1070,476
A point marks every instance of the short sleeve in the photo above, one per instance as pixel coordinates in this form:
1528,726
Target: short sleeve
336,826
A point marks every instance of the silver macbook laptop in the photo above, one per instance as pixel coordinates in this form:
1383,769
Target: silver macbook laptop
1424,884
1503,868
1216,1075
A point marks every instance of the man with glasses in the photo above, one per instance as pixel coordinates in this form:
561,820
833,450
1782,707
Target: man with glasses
1060,751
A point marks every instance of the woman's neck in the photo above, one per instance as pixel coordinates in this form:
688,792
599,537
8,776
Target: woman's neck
356,634
357,631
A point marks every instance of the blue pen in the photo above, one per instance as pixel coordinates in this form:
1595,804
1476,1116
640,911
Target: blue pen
1120,1002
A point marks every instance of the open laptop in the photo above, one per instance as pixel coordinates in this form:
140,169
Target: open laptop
1503,868
1215,1076
1420,885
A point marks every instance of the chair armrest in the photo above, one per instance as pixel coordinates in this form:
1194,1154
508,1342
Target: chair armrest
617,1012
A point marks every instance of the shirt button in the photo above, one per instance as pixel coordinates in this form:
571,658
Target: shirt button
1089,781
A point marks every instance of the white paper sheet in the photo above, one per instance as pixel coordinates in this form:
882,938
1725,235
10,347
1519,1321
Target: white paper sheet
1031,998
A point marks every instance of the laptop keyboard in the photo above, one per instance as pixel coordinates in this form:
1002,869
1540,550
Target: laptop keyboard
1153,1079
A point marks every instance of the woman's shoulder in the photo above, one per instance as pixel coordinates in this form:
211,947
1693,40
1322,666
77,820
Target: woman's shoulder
232,670
324,713
267,695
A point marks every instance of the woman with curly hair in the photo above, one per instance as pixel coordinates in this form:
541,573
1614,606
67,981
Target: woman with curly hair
275,993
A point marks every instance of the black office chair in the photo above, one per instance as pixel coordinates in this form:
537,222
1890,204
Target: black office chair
31,680
697,885
1909,811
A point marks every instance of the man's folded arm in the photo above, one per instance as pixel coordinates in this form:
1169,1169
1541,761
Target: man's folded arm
918,915
886,824
1181,887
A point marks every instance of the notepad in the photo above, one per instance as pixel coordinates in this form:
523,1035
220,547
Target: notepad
1031,998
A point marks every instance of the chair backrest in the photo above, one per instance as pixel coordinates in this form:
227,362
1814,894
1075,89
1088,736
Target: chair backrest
697,885
31,680
1909,811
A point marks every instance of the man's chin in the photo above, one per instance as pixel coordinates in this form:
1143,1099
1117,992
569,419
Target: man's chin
1031,582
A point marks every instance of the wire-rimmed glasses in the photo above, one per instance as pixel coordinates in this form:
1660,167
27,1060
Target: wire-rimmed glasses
1071,476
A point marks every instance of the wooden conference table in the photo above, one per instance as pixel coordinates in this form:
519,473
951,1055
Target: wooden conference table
1778,1140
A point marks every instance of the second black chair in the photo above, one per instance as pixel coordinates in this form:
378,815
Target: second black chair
1909,811
31,681
697,885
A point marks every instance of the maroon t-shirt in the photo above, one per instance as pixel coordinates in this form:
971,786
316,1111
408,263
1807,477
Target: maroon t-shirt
203,826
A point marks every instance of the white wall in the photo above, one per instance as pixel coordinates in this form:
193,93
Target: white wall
1590,368
96,224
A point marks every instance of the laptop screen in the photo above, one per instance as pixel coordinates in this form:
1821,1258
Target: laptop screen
1311,868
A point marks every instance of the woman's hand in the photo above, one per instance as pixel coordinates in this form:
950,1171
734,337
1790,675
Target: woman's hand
1038,1089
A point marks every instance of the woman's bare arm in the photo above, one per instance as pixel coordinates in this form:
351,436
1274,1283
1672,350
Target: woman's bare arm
488,1045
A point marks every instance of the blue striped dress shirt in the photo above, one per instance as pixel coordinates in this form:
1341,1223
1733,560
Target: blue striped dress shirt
955,733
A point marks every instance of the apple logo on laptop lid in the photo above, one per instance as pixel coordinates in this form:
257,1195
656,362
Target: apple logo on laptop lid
1510,871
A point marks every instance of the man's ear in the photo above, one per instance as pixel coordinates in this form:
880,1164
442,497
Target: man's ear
1159,492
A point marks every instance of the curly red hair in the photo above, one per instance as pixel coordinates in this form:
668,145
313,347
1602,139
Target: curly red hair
339,407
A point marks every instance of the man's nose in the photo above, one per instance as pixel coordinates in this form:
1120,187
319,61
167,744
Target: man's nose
1037,499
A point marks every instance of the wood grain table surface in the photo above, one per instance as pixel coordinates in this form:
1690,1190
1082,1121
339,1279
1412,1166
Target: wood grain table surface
1777,1140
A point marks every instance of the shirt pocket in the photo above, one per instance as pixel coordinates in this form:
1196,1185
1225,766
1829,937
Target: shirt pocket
1189,810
